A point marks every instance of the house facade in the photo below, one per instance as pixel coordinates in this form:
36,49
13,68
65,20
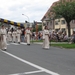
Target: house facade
56,24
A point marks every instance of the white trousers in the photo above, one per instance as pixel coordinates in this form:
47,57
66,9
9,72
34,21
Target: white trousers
18,38
4,42
14,38
28,38
9,38
46,42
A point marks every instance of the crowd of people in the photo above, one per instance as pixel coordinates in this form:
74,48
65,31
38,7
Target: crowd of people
14,35
25,35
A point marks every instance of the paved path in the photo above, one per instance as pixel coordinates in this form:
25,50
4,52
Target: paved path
51,42
21,59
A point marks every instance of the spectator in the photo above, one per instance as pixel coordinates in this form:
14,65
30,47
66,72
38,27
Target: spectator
23,35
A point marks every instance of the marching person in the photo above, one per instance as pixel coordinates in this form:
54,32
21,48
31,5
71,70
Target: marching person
46,38
14,35
19,35
3,37
9,36
27,35
23,35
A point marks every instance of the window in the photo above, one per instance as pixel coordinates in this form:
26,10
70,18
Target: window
63,22
63,29
47,23
56,30
73,21
56,22
70,0
50,22
74,29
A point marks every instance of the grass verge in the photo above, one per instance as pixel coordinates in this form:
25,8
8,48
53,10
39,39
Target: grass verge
59,44
69,46
36,40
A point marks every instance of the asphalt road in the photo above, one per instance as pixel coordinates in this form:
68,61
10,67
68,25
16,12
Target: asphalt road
33,60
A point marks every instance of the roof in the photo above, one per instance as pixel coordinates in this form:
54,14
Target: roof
49,11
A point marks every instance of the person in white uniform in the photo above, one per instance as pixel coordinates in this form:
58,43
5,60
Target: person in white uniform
46,38
14,35
27,35
9,36
19,35
4,36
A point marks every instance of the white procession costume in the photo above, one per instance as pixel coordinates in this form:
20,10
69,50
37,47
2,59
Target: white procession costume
9,36
27,35
46,39
19,36
4,36
14,34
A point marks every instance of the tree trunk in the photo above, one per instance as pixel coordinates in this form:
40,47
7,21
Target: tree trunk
68,26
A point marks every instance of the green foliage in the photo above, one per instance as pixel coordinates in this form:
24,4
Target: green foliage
39,27
66,10
1,23
69,46
37,41
34,29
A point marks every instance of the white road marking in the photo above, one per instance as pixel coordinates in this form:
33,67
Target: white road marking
15,43
38,43
18,44
33,72
23,43
8,44
31,64
15,74
27,72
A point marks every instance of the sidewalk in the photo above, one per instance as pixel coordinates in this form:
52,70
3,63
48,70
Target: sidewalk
51,42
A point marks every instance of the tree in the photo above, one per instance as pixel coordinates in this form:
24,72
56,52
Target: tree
34,26
39,27
1,23
66,10
33,30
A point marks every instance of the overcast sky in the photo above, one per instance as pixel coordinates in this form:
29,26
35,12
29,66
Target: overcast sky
32,9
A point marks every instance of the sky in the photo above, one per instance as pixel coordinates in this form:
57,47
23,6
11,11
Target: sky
24,10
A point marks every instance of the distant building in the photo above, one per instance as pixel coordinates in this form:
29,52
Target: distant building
55,24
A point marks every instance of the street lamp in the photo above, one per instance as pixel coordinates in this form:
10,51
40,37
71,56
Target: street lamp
26,16
28,23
